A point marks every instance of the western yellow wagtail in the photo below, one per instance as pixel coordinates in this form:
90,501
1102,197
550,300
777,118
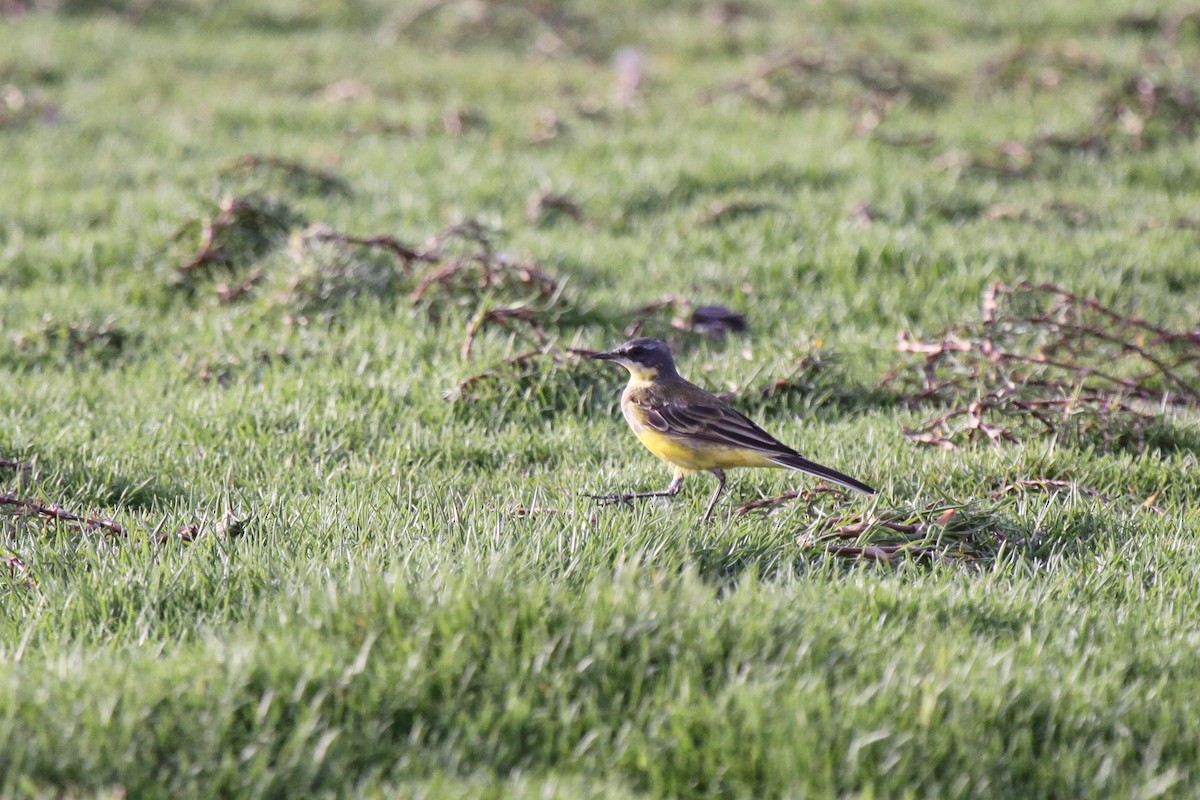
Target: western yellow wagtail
693,430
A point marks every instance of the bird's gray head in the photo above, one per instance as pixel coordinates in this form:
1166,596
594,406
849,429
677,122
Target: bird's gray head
645,358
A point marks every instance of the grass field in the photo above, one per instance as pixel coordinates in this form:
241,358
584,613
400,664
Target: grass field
334,563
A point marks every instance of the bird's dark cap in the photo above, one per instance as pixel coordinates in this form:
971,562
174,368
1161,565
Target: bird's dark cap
653,353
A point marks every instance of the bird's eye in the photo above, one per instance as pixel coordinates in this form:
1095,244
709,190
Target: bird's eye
636,350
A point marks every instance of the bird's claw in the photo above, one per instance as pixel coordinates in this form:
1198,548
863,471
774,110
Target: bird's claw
610,499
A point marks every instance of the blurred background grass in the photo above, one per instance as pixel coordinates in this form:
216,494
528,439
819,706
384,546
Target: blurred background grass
395,593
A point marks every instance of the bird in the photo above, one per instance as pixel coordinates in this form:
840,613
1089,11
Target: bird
693,430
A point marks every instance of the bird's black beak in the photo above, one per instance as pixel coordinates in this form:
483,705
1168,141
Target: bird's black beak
609,356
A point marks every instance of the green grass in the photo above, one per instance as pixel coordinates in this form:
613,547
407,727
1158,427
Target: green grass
392,619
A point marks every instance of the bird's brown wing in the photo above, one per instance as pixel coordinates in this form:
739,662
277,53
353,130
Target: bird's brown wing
694,415
701,417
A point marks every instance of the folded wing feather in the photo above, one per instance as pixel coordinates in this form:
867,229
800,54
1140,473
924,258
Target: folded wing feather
711,423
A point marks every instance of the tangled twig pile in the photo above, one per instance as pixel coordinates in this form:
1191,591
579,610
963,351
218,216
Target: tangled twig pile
939,532
796,78
481,268
1044,360
238,231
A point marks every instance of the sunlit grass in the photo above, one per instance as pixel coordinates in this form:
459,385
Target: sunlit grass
414,599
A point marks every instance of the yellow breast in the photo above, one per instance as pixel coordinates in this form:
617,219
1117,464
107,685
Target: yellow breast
690,454
687,455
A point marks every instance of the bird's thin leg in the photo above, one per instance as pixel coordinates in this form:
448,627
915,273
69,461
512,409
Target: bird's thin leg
612,499
720,473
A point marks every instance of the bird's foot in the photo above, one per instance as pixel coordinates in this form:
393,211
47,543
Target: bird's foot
612,499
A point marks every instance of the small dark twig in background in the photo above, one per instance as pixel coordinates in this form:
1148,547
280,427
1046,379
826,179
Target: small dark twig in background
504,316
56,513
807,495
295,173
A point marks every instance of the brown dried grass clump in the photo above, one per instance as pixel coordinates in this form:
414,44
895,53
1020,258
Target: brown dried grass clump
329,268
1141,112
468,264
1044,361
953,533
228,240
56,341
814,74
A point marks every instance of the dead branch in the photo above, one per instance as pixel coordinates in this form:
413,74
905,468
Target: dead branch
227,293
807,495
1052,486
57,513
1043,355
241,228
1141,112
481,272
503,316
954,534
792,78
405,256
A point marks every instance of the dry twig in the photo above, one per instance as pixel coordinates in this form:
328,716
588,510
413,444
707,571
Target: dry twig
480,269
243,229
405,255
231,293
1042,359
954,534
807,495
1140,113
478,273
56,513
504,316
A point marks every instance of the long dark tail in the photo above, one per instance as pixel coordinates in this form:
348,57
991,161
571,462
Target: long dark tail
802,464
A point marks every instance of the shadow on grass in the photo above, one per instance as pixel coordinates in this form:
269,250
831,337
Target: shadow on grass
547,384
687,188
1037,522
1164,437
64,343
817,384
75,487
